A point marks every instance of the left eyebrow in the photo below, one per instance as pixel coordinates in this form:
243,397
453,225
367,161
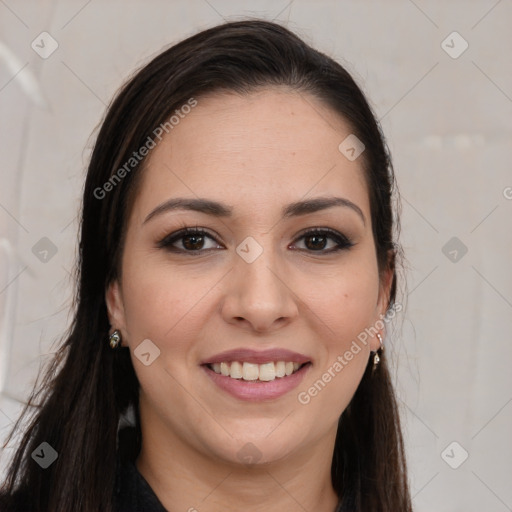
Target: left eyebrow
320,203
217,209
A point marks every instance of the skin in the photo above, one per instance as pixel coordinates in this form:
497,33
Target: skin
255,153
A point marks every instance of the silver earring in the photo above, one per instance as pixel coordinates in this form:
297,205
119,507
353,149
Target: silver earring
115,339
376,357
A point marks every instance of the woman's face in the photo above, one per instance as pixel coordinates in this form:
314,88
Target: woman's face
284,261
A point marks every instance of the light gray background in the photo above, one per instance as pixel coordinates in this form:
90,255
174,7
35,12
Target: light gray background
448,122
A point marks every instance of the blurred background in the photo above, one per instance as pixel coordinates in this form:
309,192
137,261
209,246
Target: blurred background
439,79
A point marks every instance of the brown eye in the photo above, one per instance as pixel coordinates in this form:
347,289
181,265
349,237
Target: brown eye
193,242
323,241
189,240
315,242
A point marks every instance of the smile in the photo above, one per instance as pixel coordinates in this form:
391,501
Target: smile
257,382
255,372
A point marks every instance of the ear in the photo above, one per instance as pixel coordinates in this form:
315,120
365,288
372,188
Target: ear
386,283
115,308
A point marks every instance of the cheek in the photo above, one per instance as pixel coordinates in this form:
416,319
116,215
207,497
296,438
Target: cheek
344,311
344,306
161,306
169,311
346,303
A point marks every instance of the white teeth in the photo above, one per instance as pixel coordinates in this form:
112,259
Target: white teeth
236,370
251,372
280,369
224,369
267,371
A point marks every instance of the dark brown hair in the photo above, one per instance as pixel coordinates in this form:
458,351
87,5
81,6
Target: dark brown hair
88,386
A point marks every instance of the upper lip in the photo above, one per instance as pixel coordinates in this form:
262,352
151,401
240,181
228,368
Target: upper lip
257,356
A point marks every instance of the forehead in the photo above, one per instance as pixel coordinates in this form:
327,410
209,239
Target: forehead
269,147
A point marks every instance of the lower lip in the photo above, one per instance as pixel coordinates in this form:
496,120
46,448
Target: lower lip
254,391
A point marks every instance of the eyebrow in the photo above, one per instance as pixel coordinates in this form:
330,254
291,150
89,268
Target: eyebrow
217,209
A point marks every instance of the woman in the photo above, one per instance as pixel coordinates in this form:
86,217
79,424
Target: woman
237,263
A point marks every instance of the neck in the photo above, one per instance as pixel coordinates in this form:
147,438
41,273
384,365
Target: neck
185,480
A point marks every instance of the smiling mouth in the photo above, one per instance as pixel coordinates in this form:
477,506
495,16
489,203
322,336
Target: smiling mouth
251,372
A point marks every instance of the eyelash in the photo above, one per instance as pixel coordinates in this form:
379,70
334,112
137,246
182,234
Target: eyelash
343,242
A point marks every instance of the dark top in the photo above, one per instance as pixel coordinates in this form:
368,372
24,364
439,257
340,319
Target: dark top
132,492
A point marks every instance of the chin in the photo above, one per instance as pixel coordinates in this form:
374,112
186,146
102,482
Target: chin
257,449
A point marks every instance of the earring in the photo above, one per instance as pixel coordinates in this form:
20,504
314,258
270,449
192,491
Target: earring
115,339
376,358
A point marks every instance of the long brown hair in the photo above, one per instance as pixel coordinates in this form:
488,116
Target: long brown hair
88,387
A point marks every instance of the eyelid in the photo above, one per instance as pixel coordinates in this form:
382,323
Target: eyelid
332,233
167,240
320,229
342,241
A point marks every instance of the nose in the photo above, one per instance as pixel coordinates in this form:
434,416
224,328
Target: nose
258,297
